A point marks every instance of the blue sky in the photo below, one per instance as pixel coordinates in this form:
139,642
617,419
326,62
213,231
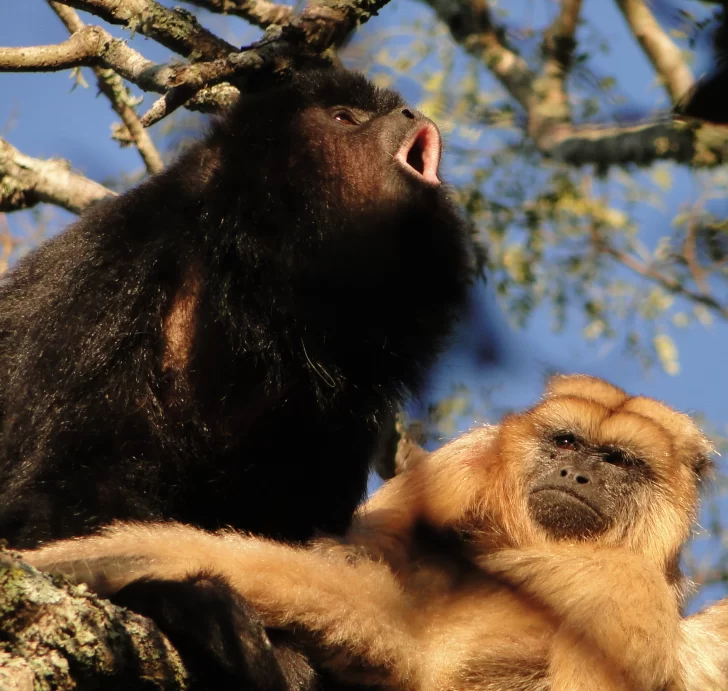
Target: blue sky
44,116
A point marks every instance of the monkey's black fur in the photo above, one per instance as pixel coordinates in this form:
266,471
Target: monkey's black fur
217,633
706,99
221,344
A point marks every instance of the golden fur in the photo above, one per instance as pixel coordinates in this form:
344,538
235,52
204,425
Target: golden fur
447,581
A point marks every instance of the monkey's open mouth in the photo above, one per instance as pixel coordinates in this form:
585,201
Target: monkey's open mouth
421,154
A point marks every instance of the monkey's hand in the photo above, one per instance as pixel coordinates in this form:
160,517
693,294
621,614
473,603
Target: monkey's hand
353,615
614,611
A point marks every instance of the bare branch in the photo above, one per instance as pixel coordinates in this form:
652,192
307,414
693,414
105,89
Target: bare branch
662,52
669,283
80,49
191,79
215,99
558,47
87,47
175,29
471,24
311,35
261,13
112,86
26,181
318,28
691,258
545,99
641,144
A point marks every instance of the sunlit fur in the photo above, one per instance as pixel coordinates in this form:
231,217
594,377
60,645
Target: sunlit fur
446,582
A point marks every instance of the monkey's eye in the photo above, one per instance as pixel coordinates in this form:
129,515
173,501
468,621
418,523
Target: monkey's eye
344,116
617,457
565,441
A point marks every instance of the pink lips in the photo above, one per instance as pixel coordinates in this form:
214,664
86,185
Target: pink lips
420,155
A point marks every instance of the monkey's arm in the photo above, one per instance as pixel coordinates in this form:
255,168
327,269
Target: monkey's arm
616,616
703,651
353,615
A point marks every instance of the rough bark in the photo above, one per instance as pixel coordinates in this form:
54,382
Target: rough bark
55,636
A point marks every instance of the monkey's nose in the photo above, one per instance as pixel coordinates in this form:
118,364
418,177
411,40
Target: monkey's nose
569,474
408,114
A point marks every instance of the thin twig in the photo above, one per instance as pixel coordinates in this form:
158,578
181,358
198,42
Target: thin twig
112,86
690,250
670,283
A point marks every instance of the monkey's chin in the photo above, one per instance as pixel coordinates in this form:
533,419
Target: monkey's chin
564,515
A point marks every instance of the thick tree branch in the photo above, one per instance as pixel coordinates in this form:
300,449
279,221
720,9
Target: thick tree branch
471,25
603,146
191,79
61,638
175,29
112,86
544,95
89,46
558,48
261,13
93,46
26,181
662,52
311,35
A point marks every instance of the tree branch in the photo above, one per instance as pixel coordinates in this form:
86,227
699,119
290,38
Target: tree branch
558,47
311,35
55,637
544,96
664,55
112,86
669,283
175,29
89,46
471,25
261,13
604,146
93,46
26,181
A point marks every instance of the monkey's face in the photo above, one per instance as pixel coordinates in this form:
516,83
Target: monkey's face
582,482
349,175
599,464
373,153
339,142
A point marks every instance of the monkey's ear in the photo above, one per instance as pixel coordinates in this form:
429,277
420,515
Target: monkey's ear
584,386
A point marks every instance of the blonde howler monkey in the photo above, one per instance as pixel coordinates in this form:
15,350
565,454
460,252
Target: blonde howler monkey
539,554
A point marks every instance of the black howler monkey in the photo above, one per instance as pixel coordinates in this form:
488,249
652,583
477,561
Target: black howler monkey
221,344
